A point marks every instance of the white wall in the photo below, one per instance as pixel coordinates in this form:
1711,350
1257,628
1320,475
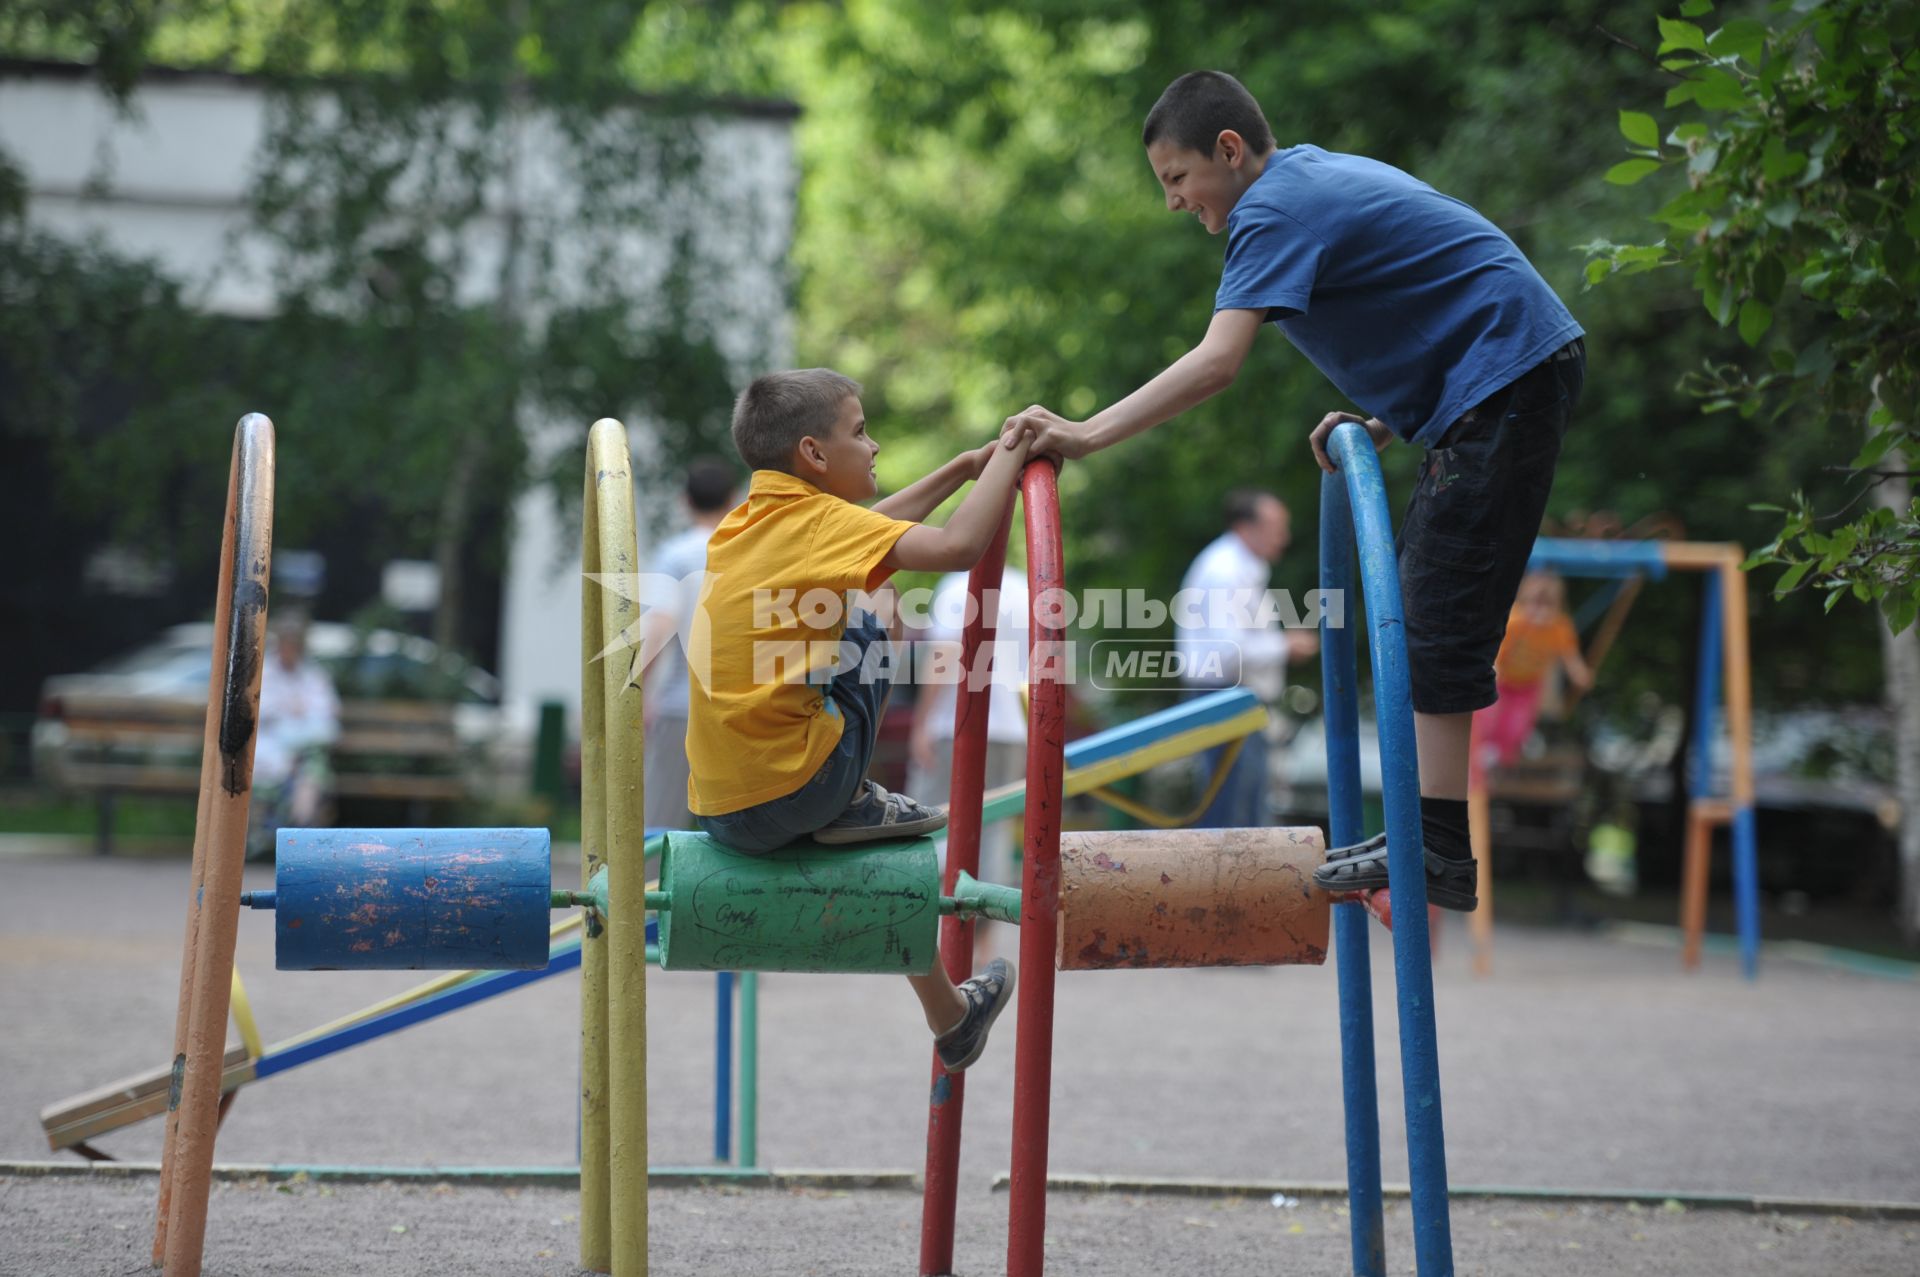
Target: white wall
168,181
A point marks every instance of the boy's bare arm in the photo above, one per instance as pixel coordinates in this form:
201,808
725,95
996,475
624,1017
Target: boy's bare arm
923,496
1195,377
964,539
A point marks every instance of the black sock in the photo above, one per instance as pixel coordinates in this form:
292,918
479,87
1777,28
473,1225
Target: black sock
1443,827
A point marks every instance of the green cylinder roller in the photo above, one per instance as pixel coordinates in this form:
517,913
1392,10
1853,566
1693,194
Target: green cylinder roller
804,908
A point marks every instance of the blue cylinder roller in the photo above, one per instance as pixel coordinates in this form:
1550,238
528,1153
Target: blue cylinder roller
411,899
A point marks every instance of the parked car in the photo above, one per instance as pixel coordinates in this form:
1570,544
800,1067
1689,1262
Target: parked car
374,665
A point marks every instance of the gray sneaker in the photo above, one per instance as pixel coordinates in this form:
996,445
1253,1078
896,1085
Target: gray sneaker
876,814
987,995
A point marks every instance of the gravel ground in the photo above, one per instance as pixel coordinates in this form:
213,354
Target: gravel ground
74,1228
1583,1063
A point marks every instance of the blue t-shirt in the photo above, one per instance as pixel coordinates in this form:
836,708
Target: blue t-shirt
1413,304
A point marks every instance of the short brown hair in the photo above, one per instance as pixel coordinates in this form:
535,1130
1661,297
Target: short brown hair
1199,106
779,409
710,484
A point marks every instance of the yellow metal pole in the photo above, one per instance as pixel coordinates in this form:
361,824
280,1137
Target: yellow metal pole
596,1226
243,1020
622,754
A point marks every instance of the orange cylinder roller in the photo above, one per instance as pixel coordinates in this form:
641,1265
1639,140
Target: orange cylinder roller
1191,898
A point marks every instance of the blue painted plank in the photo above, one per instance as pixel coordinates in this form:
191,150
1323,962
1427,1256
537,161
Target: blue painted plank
486,985
1216,707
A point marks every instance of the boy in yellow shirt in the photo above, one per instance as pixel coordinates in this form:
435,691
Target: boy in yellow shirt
790,681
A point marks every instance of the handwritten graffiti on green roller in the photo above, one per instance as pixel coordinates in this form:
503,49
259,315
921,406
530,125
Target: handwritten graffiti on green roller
874,908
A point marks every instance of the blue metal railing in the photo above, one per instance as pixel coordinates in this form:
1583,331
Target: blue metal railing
1355,501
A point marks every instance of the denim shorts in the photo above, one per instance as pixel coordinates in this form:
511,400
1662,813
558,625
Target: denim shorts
859,700
1470,529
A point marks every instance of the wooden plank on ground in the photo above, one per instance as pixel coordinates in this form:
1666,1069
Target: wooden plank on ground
108,1108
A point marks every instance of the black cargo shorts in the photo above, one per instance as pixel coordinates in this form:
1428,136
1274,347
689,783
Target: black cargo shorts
1470,529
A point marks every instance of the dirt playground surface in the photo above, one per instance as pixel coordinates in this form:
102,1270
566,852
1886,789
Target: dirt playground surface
1583,1063
58,1228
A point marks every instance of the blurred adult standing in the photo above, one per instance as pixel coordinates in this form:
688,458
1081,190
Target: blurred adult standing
678,566
930,771
1225,645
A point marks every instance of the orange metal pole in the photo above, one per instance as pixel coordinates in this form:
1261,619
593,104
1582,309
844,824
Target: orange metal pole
213,914
1693,884
1739,695
196,881
1739,676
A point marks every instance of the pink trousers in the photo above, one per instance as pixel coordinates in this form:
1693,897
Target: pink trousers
1502,728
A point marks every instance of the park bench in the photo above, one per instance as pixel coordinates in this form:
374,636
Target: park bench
1537,807
404,751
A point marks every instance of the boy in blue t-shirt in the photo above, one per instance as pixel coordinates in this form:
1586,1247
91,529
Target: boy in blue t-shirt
1424,314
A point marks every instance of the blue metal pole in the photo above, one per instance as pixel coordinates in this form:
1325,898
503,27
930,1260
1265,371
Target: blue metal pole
722,1065
749,1069
1339,670
1746,887
1707,698
1706,694
1353,451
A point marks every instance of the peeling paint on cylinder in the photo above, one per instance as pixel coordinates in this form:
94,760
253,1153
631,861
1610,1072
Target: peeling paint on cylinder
412,899
1191,898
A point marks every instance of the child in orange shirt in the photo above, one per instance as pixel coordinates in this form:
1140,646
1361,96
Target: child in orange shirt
1540,639
791,679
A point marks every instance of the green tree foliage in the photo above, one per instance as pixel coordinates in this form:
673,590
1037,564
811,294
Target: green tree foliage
449,193
980,230
1794,143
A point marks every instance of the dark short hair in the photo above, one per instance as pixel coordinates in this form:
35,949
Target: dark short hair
710,484
1243,505
779,409
1198,106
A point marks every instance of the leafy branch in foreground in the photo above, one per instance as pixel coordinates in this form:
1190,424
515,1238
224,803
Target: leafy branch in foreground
1798,143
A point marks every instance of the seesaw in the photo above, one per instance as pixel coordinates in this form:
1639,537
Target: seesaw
1097,901
1094,763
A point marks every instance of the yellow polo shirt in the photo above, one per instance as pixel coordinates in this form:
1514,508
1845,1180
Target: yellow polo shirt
756,728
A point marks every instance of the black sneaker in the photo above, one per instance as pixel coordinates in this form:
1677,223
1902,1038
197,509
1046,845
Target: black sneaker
987,994
1451,884
877,814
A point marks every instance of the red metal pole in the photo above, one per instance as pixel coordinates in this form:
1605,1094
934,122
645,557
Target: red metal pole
1040,895
948,1094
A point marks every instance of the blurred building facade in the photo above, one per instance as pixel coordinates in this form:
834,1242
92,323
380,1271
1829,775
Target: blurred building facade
167,178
